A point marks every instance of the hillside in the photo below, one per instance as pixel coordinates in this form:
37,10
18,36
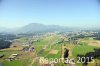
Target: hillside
36,27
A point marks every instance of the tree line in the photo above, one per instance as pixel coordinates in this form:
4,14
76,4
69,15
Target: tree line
5,40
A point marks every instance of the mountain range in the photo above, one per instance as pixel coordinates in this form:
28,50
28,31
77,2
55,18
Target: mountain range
36,27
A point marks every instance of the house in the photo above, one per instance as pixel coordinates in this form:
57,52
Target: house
14,54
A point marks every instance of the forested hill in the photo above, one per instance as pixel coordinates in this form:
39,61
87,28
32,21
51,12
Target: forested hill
5,40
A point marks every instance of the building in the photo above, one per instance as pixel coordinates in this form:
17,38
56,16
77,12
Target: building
12,57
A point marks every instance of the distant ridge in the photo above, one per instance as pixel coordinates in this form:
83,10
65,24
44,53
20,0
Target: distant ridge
36,27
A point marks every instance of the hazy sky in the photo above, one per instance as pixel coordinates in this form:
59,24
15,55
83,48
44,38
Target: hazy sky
74,13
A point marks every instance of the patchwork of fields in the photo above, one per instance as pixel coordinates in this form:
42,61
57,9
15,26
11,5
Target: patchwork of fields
49,47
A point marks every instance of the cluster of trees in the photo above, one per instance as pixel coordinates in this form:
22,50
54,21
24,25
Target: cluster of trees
4,44
5,40
66,54
97,35
79,36
7,36
60,41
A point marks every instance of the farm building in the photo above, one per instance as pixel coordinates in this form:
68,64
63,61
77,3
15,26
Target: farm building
31,49
14,54
12,57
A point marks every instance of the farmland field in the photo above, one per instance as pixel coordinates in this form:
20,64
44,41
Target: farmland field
51,46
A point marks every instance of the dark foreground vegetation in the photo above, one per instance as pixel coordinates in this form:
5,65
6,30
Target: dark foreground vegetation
6,40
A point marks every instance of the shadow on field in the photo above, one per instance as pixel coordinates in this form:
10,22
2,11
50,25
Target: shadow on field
88,56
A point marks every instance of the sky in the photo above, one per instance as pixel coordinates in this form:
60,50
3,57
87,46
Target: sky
71,13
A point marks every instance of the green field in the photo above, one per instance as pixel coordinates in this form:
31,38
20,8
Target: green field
52,43
83,48
12,63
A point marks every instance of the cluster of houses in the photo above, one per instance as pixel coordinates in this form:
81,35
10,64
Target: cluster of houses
73,33
12,57
30,41
28,49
